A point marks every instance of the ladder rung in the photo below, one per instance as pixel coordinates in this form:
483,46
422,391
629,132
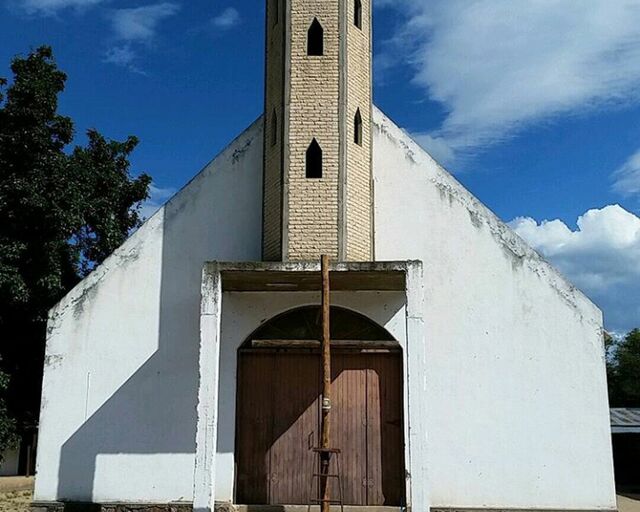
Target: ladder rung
327,476
327,450
332,502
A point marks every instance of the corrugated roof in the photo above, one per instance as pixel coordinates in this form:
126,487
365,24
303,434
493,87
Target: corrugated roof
625,420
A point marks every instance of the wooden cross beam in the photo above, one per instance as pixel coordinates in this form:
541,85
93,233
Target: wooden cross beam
326,383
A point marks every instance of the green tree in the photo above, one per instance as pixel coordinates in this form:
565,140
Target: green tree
62,212
623,371
8,435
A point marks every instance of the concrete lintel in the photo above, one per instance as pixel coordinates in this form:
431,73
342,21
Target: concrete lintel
312,266
305,275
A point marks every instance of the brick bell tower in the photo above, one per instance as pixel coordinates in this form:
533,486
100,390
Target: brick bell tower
317,134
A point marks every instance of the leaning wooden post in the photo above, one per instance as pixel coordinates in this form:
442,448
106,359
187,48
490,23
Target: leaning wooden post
326,383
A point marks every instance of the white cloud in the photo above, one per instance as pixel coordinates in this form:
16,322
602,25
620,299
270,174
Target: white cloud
228,18
120,55
499,65
141,23
601,257
157,197
50,7
133,27
627,177
123,56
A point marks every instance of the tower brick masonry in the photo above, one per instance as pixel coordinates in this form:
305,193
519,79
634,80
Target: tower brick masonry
318,87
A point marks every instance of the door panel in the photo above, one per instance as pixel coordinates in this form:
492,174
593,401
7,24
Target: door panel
295,399
279,421
348,424
254,427
385,430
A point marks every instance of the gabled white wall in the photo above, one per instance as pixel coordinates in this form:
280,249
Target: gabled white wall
119,396
517,409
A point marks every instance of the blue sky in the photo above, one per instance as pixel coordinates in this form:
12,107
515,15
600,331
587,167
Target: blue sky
534,106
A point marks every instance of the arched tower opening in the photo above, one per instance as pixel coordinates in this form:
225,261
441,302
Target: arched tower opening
315,39
357,13
274,127
357,128
313,161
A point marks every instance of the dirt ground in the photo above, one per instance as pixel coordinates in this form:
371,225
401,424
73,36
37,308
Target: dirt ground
15,501
15,494
16,483
629,504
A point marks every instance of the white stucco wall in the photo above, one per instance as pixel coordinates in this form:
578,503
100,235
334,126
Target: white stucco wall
119,400
516,408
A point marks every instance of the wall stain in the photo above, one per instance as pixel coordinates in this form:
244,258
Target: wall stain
476,220
238,153
53,360
409,153
87,288
515,249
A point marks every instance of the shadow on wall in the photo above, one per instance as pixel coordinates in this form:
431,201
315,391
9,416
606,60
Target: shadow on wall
154,411
133,420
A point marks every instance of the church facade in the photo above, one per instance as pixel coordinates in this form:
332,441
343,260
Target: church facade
184,372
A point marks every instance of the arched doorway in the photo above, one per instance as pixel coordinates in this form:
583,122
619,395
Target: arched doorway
278,410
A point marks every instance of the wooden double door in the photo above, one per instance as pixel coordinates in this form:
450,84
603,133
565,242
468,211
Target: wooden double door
278,422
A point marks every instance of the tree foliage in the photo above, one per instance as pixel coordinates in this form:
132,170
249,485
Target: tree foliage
623,370
63,211
8,435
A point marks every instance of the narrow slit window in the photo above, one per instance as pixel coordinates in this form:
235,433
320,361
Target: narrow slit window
357,14
274,128
357,128
314,160
276,12
315,39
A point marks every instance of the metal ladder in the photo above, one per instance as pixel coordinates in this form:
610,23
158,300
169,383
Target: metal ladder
329,453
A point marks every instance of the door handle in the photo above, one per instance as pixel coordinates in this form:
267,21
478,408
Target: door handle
310,441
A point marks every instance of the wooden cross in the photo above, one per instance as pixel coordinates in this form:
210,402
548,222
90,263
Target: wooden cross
326,384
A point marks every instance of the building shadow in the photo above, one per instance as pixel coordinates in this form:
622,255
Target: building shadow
154,411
